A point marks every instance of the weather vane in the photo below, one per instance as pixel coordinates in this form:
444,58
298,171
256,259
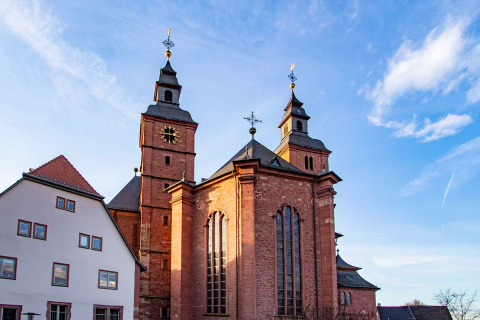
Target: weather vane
169,44
253,120
292,77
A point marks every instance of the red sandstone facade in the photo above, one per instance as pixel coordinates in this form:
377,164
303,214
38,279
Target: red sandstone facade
168,226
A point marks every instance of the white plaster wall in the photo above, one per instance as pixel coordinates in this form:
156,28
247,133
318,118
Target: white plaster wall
32,288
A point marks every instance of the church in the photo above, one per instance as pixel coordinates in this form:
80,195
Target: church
256,240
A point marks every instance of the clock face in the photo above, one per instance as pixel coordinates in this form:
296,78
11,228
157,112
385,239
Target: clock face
170,134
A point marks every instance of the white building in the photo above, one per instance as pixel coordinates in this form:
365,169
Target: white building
62,255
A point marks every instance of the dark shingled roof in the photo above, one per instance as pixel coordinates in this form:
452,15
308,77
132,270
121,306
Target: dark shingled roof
414,313
128,198
430,312
170,111
256,150
301,139
168,75
395,313
341,264
351,279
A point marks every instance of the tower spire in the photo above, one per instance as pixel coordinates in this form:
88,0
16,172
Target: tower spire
292,77
169,44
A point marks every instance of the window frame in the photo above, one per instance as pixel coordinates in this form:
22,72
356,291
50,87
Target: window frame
311,163
56,303
14,269
12,306
80,241
348,300
53,274
64,203
170,96
299,125
293,211
101,244
166,219
222,216
101,306
168,160
306,162
34,230
343,298
165,264
29,230
108,272
74,205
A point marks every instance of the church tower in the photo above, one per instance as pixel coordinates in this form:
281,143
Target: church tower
296,146
167,141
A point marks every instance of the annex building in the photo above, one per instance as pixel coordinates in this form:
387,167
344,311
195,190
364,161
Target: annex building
256,240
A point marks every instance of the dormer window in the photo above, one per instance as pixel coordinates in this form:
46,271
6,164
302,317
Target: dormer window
168,96
299,125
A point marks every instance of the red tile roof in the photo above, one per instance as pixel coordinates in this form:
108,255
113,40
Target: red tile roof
61,171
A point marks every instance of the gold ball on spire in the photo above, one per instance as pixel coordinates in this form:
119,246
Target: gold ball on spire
168,54
292,85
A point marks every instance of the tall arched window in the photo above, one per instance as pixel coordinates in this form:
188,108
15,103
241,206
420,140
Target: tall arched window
289,266
168,96
349,298
311,163
342,298
299,125
217,263
306,162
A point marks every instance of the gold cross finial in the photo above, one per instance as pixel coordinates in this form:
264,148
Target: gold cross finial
292,66
169,44
292,77
169,30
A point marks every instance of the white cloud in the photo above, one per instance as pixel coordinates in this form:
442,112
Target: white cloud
464,160
441,62
39,28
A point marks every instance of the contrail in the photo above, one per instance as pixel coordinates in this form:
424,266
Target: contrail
447,189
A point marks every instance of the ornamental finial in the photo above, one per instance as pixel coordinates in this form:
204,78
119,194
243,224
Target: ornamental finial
169,44
253,120
292,77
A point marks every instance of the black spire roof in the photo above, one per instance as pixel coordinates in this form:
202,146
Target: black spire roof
168,75
255,150
341,264
128,198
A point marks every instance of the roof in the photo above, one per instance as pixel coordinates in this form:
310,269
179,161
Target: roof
170,111
61,171
255,150
293,101
168,75
300,139
341,264
395,313
414,313
128,198
351,279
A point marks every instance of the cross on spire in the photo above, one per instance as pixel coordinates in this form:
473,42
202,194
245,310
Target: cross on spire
253,120
169,44
292,77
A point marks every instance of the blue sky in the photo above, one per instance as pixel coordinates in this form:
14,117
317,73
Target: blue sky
393,89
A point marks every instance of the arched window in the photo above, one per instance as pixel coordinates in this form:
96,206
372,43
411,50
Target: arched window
349,298
168,96
285,130
217,263
342,298
306,162
289,267
299,125
311,163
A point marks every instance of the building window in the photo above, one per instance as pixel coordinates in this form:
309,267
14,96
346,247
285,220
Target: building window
342,298
24,228
97,243
299,125
167,160
306,162
165,264
285,130
217,263
84,241
8,268
166,186
10,312
61,203
164,313
349,298
108,280
71,205
289,266
108,312
168,96
59,310
165,220
39,231
311,163
60,274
